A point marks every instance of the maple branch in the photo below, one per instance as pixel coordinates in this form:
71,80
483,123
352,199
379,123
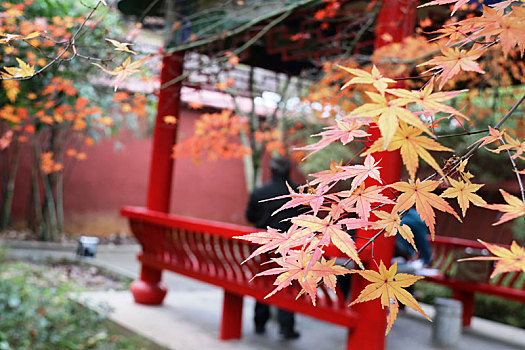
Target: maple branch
236,52
500,123
70,43
462,134
365,27
370,241
515,168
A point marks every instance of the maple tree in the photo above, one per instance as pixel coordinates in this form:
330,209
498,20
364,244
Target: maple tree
52,118
248,131
409,119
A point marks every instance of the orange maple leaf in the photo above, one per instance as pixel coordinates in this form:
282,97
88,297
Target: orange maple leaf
328,232
420,194
170,119
493,136
345,130
514,209
293,267
273,239
325,177
428,101
359,172
458,4
509,28
314,200
195,105
453,61
361,199
388,285
512,144
507,260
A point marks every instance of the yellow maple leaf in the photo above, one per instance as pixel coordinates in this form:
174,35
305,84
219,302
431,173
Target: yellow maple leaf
420,194
464,193
363,77
23,70
121,46
507,260
6,38
12,89
126,69
388,285
514,209
413,146
388,114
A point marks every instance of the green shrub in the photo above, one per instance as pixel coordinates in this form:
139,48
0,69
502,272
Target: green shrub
36,313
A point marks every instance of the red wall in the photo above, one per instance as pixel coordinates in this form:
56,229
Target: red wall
111,177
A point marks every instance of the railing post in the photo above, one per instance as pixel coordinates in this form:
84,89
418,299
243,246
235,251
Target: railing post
149,289
467,299
395,20
231,323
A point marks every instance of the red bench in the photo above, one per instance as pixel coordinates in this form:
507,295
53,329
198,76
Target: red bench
509,285
205,250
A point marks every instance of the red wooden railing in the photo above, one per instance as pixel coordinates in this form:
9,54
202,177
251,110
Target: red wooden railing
510,285
205,250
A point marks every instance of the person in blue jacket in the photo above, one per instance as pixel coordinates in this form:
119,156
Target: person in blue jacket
420,231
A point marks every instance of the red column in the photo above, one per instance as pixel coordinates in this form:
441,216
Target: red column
394,22
149,289
164,136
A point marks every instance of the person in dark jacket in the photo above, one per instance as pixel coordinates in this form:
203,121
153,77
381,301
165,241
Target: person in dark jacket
260,214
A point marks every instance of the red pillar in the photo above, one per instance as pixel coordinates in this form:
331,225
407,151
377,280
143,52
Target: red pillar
149,289
394,22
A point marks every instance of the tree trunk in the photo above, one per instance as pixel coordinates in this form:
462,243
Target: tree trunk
10,188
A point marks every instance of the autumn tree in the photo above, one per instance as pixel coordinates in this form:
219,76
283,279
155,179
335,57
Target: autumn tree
55,103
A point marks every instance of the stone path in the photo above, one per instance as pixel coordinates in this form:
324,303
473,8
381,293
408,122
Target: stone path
190,316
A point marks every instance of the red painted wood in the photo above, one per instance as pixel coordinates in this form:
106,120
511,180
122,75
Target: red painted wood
467,300
395,21
231,323
164,136
148,290
444,260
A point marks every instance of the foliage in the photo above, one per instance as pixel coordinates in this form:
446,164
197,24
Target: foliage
67,108
406,121
38,313
249,131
